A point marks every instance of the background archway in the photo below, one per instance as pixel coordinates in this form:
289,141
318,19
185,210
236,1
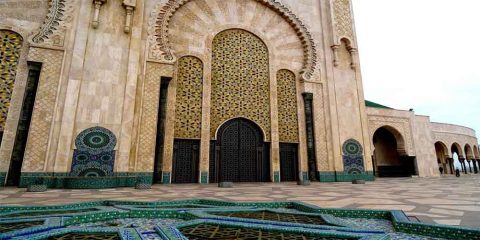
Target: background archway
443,160
390,158
458,157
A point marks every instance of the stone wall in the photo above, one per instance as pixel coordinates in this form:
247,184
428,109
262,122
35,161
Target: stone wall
450,134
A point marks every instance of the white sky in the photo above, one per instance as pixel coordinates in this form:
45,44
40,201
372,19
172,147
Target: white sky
422,54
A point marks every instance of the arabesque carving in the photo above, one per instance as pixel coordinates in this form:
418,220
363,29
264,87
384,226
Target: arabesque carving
58,21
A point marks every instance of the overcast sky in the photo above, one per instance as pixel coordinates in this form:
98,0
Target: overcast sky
422,54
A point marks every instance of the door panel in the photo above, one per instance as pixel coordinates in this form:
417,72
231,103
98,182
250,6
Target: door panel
288,162
240,148
186,158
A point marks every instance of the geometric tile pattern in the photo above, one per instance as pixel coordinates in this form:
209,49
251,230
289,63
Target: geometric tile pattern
208,231
287,106
6,227
353,157
43,110
149,116
94,154
447,200
238,88
188,106
273,216
10,46
213,219
82,236
343,19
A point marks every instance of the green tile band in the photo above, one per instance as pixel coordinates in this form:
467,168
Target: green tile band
166,178
204,178
345,177
3,176
64,180
276,176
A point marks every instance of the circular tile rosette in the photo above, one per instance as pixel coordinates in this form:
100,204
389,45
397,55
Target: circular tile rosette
96,140
352,148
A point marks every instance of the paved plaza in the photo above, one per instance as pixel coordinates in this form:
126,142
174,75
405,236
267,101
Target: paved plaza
446,200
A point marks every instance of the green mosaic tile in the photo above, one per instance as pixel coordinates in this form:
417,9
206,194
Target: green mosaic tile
276,176
204,178
64,180
166,178
288,219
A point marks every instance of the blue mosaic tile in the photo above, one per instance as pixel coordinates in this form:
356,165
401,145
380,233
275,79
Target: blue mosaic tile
94,155
166,220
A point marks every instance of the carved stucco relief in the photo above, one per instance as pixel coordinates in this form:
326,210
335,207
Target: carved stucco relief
57,22
343,20
160,48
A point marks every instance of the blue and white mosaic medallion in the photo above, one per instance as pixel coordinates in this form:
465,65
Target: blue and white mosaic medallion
353,157
94,155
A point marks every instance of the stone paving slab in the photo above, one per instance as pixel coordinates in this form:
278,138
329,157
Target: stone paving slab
445,200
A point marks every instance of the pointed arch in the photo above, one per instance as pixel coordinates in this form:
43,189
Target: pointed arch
234,91
457,148
390,158
468,152
159,38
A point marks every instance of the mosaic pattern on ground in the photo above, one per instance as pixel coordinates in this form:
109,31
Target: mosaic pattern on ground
213,219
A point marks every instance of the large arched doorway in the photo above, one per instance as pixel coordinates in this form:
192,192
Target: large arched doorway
458,157
390,158
241,155
445,165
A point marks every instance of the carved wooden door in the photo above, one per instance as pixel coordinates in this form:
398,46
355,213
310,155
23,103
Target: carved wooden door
288,162
241,150
185,161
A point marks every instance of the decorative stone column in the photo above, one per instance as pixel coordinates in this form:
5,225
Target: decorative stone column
462,163
129,6
312,161
470,165
97,4
450,165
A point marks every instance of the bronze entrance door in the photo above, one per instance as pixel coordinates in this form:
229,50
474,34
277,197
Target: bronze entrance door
240,152
288,162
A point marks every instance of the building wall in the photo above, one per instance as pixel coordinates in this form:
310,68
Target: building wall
102,62
419,136
24,18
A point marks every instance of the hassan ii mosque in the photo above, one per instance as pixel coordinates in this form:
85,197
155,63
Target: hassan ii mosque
120,93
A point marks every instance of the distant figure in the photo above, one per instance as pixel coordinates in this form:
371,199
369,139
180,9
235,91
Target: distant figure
441,170
457,172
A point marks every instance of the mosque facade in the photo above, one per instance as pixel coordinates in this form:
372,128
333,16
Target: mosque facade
111,93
